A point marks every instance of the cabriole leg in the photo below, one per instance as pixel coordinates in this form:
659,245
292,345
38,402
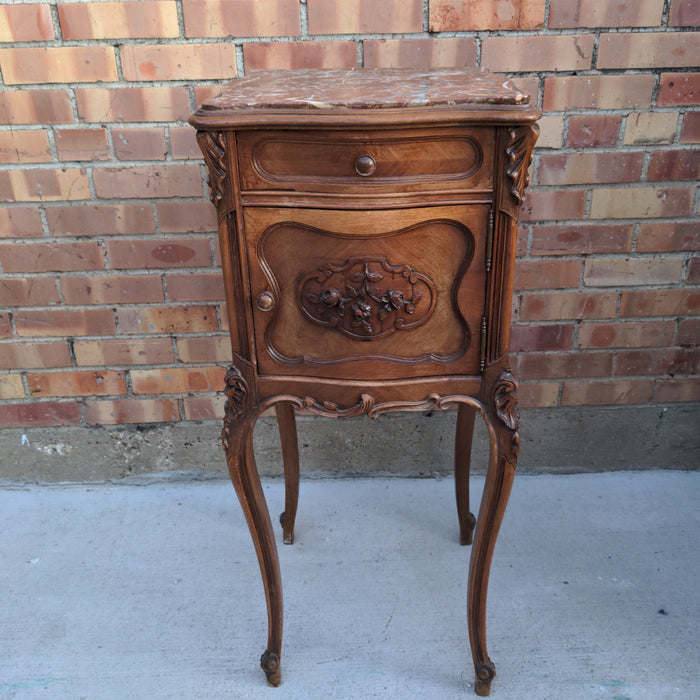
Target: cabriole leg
239,420
290,459
504,422
463,452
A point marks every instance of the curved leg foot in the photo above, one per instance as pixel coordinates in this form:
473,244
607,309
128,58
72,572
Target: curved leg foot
237,438
463,451
500,397
270,663
290,459
484,675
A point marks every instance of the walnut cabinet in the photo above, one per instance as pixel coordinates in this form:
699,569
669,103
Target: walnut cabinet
368,223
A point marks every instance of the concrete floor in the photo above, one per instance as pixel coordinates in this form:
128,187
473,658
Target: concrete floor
150,589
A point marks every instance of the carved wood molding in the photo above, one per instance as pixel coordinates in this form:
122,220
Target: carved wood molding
367,297
519,152
505,400
368,406
212,145
236,390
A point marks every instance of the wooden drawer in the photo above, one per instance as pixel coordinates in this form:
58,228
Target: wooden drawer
339,294
328,161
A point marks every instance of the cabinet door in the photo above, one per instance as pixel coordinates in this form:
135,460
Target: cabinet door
367,294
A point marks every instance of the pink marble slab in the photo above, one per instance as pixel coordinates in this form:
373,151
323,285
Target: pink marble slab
363,88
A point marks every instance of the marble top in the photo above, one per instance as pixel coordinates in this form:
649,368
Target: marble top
363,88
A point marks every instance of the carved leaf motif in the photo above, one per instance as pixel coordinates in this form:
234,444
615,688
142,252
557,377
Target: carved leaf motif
373,310
506,400
519,152
212,145
236,390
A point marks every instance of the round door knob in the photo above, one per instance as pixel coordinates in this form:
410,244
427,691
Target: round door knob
265,301
365,165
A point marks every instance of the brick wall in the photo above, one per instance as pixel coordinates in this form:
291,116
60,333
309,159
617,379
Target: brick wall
110,295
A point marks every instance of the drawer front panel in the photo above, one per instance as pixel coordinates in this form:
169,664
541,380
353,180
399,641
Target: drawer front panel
335,293
325,161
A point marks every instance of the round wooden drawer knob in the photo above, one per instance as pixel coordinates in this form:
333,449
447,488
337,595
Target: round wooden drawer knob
365,165
265,301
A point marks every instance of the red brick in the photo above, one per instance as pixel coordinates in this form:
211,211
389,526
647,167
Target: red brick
77,383
567,305
241,18
39,414
649,50
186,217
673,390
674,165
579,168
457,15
563,52
25,146
148,181
100,219
555,365
51,257
658,361
551,131
177,380
157,253
20,222
133,104
547,274
118,20
538,394
650,127
27,355
11,386
25,22
420,53
665,237
64,322
118,352
660,302
684,13
196,287
581,238
641,202
122,411
597,92
5,325
300,54
688,332
541,338
183,142
611,392
690,132
364,16
572,14
209,348
172,319
679,89
139,144
693,271
112,289
625,272
204,93
593,130
553,205
44,185
178,61
204,407
622,334
35,107
35,291
58,64
82,144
